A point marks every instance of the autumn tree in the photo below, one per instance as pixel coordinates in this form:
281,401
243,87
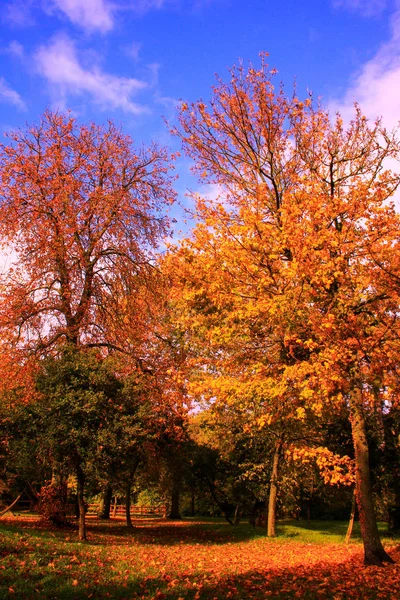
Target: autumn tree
234,458
282,279
82,209
353,318
79,414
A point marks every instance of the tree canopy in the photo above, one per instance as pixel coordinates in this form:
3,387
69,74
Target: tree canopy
83,210
277,316
288,281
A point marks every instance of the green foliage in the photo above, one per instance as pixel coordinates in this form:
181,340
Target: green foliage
79,393
20,463
148,497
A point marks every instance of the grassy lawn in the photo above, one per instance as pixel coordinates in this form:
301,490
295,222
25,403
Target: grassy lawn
194,559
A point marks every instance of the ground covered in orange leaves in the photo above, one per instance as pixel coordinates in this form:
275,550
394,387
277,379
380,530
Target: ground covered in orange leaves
191,559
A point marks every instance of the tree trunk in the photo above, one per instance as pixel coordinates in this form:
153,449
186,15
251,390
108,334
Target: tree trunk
374,553
192,502
59,483
56,476
308,510
351,520
81,503
11,506
236,518
221,505
105,507
128,493
309,500
394,513
114,512
175,497
128,490
273,491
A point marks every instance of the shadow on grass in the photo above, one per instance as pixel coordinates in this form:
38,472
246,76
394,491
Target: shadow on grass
316,531
348,579
162,532
144,532
167,533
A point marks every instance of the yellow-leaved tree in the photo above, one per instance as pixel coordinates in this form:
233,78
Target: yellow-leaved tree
287,283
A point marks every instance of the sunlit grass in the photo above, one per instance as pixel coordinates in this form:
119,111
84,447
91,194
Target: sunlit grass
327,531
193,559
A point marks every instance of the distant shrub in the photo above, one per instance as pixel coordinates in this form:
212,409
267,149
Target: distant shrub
52,506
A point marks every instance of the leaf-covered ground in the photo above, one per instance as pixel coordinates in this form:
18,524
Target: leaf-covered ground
194,560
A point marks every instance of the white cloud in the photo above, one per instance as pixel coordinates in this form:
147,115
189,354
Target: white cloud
368,8
18,13
376,86
88,14
212,192
10,96
146,5
59,64
133,50
153,69
15,49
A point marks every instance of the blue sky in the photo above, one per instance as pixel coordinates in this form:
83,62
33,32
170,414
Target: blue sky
133,60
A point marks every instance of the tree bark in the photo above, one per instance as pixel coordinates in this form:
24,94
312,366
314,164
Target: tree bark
236,518
59,481
374,553
128,490
115,506
192,502
221,505
394,519
105,507
9,508
128,493
308,510
394,514
81,503
175,497
273,491
351,520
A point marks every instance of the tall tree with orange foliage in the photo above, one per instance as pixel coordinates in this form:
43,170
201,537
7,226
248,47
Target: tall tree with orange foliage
282,278
83,210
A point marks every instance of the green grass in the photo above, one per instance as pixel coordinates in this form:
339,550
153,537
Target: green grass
327,531
319,532
195,559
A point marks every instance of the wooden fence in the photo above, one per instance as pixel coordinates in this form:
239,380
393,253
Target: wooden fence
25,505
118,510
